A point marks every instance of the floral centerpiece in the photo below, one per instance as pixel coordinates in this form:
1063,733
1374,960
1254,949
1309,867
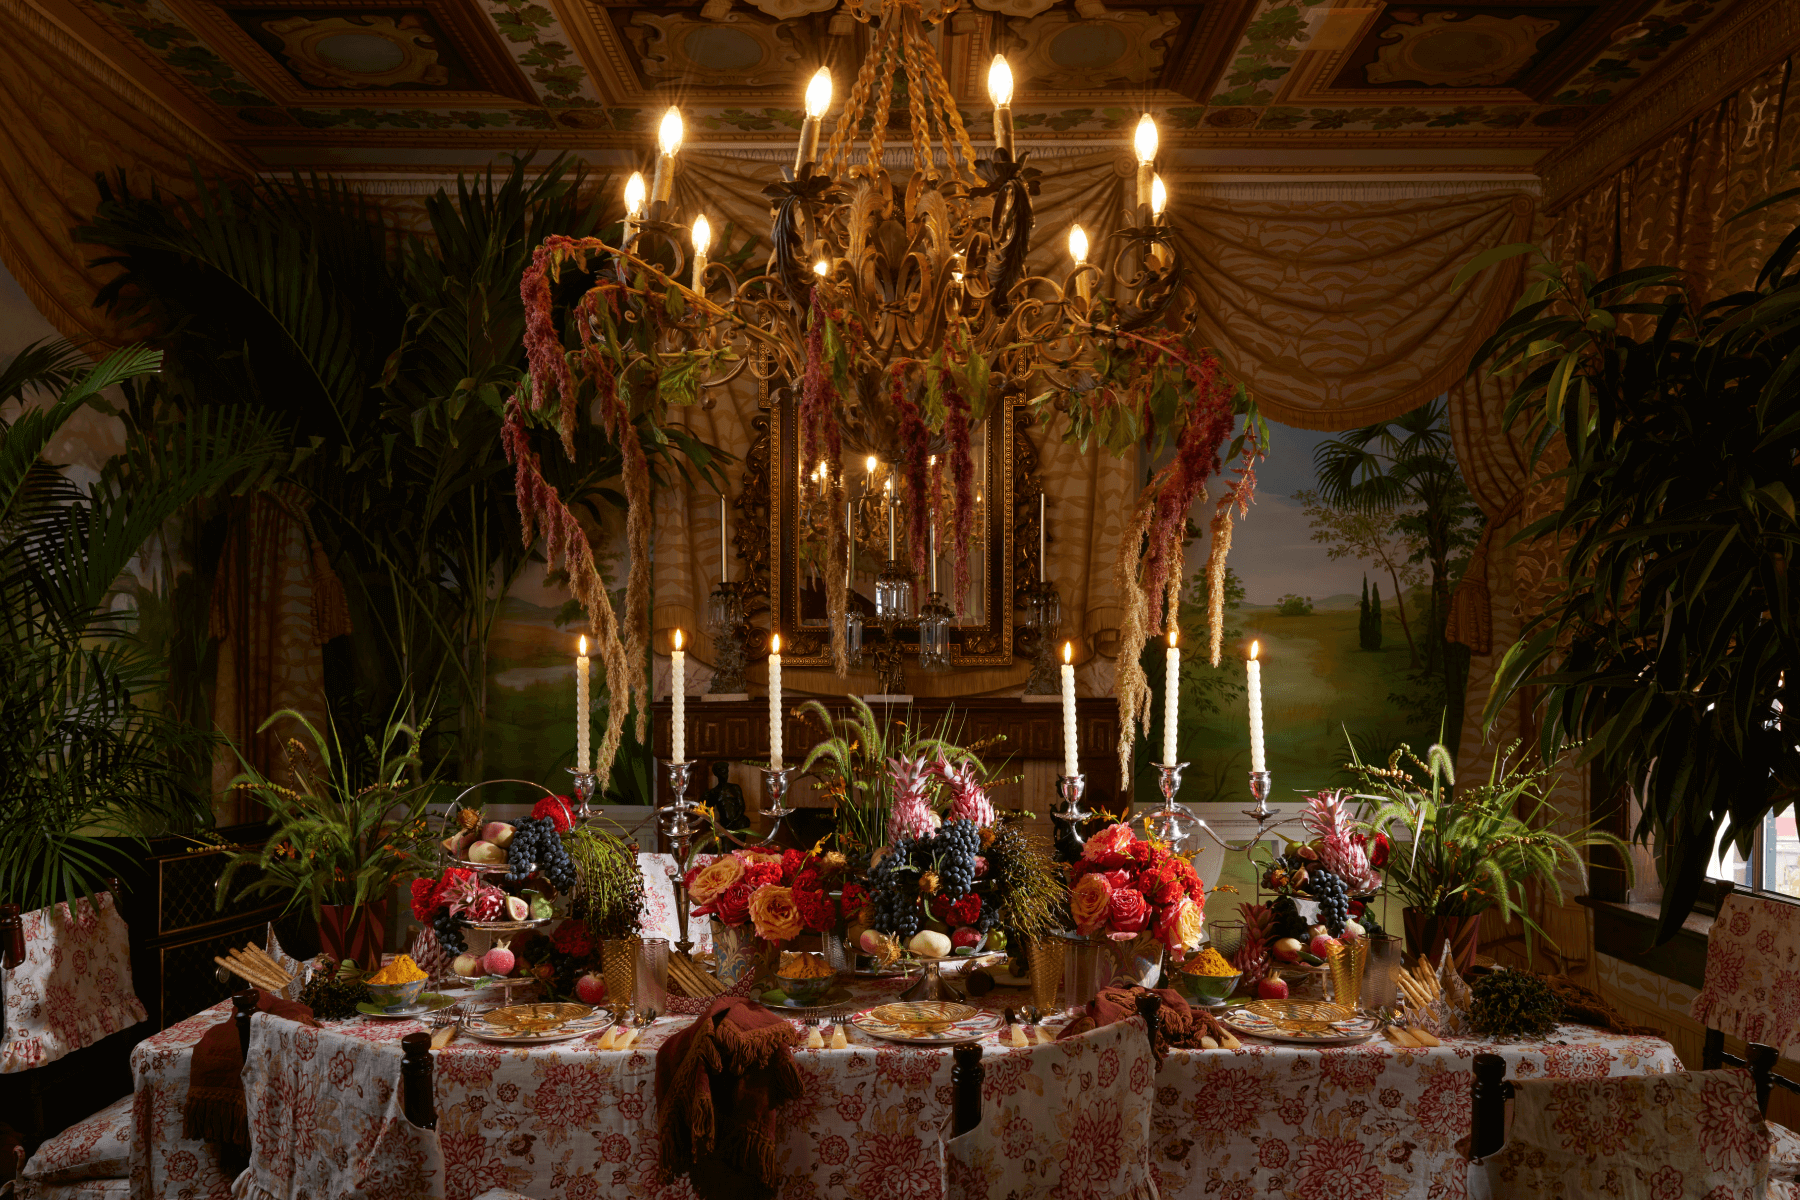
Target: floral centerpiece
1125,889
759,899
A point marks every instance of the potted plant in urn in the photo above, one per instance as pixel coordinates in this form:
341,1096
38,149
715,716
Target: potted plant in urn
1459,852
341,835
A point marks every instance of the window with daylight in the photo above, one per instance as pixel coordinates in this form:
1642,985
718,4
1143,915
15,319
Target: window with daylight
1773,863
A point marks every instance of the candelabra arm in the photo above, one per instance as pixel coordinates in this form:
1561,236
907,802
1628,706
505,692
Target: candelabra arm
679,821
776,783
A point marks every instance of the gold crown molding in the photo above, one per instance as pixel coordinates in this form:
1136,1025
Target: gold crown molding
105,74
1736,48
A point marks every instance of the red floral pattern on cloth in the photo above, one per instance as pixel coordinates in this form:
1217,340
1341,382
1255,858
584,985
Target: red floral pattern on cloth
81,1189
97,1148
1684,1136
1784,1155
1752,988
660,918
872,1104
74,986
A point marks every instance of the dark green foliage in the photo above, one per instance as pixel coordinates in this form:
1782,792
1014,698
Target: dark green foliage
1514,1004
1027,880
333,994
1673,643
1372,636
1291,605
609,888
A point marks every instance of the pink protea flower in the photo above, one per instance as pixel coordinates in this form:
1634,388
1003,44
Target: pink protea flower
488,904
912,815
1328,818
968,799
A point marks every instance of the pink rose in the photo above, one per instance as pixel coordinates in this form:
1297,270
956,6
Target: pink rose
1089,901
1130,912
1111,847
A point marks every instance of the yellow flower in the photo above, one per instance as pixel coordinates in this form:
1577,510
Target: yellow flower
714,878
1089,901
775,914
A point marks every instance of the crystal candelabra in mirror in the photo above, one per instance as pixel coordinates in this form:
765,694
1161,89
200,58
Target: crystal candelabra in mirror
1043,618
731,632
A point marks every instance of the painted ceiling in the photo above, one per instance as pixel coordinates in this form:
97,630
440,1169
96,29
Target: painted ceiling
1500,82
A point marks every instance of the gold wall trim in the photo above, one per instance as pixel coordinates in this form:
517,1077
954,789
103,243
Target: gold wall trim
1747,41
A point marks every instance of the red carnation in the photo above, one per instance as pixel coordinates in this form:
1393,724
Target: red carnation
761,874
1162,884
808,881
1129,912
424,898
792,861
558,809
966,910
572,937
854,896
817,912
1141,853
733,905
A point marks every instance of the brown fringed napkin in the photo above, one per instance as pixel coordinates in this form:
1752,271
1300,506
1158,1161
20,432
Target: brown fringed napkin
1584,1007
215,1101
719,1083
1175,1021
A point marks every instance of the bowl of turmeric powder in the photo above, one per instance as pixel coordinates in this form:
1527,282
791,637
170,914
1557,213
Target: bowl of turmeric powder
396,987
1205,978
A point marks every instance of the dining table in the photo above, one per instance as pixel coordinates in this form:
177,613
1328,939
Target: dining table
574,1121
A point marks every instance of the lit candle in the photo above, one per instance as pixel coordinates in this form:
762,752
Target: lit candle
678,701
775,703
668,141
818,100
581,706
702,239
634,205
888,498
1000,90
1171,699
1078,250
1144,143
1159,197
1070,764
934,556
1254,669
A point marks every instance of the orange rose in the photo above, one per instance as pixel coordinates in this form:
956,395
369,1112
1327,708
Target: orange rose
714,878
1088,903
1180,928
776,915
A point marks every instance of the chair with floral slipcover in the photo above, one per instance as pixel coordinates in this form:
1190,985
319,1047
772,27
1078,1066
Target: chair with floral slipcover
66,984
1099,1145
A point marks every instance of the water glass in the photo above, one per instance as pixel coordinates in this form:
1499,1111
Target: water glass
650,987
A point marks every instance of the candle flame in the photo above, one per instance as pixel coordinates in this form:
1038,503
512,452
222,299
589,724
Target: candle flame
1068,652
870,463
1159,195
1078,244
678,639
702,234
1173,634
668,134
821,268
1144,139
1253,648
634,194
818,93
999,81
775,644
583,646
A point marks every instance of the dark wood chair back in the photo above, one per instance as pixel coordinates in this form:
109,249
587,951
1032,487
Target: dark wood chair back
418,1099
1758,1059
243,1003
966,1075
1149,1007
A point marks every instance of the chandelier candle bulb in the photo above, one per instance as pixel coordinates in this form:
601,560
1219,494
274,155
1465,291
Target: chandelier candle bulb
1078,250
1000,90
1068,699
668,141
1171,699
818,101
1144,143
1159,197
702,240
1253,669
582,762
634,206
775,703
677,702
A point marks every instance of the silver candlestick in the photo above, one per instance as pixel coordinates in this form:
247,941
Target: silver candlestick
679,821
776,783
585,783
1173,824
1259,791
1067,815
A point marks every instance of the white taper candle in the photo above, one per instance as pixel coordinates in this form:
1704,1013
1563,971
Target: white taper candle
678,701
1253,669
581,707
775,703
1171,700
1070,758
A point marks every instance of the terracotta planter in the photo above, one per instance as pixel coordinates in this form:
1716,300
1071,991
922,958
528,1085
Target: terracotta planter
354,932
1426,934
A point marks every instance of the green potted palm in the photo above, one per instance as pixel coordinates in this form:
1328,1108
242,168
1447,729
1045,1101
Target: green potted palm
1460,852
342,833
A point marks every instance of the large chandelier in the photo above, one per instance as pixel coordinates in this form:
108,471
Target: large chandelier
895,299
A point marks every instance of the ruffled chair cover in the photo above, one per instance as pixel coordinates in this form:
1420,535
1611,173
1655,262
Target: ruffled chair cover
1099,1146
1752,988
74,986
1685,1136
92,1158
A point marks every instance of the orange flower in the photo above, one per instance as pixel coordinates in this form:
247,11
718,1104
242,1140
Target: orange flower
1089,902
775,914
714,878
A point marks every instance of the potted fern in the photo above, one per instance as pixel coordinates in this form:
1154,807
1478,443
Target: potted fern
1461,852
342,833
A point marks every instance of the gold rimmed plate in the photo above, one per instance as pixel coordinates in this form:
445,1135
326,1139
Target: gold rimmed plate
1300,1022
947,1025
529,1024
925,1016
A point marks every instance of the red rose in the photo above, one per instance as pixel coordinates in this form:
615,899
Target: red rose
1121,878
424,898
733,905
762,874
817,912
854,896
1130,913
940,907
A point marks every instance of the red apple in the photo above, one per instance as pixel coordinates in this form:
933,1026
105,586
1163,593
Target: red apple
1272,987
1286,949
590,989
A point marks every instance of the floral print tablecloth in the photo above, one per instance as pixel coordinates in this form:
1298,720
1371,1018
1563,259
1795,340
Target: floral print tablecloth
1369,1122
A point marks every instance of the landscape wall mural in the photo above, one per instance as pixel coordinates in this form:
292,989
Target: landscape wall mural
1343,573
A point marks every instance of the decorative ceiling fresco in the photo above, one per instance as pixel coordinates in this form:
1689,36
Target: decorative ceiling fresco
1516,77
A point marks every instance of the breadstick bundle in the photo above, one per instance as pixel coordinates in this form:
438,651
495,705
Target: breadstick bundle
256,968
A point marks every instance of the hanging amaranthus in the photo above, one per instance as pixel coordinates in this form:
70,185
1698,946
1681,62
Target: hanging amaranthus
915,445
1129,683
820,434
962,474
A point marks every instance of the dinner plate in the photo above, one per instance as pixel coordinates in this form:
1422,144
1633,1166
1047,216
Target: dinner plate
1300,1023
964,1026
536,1024
429,1002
